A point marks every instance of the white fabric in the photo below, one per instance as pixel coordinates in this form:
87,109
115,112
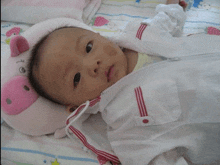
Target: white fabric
13,143
183,111
182,96
34,11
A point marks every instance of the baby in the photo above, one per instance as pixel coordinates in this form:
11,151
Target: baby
97,65
163,113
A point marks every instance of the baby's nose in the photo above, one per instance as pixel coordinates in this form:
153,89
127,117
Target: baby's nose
93,67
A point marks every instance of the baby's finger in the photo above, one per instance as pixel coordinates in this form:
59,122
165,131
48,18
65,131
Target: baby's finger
183,4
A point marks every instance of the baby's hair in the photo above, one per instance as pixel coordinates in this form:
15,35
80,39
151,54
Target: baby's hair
34,61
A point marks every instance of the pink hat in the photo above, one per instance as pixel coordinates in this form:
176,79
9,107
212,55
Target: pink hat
21,107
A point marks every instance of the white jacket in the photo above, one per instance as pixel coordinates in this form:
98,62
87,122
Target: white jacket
165,113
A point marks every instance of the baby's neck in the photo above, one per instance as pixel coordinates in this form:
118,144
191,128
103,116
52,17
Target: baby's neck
132,58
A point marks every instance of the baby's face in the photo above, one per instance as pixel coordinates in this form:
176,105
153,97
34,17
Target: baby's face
76,65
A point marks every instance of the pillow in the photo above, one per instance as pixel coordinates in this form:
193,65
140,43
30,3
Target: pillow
34,11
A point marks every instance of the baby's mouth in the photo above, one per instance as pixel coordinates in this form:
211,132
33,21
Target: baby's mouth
109,73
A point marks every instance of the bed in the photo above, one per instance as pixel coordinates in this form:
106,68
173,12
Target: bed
108,17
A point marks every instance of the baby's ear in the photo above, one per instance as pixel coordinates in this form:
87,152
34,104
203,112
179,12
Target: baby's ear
18,45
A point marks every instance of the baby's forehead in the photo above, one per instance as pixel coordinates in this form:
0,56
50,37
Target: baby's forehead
63,36
63,33
70,32
58,38
62,39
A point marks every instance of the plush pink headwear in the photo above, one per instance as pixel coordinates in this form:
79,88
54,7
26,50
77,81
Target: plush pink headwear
21,107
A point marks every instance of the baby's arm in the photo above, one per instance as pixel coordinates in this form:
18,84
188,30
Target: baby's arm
168,22
170,18
156,36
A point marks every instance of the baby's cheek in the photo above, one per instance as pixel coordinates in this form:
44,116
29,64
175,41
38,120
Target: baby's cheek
109,49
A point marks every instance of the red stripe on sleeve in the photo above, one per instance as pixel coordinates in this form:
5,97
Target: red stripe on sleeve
140,31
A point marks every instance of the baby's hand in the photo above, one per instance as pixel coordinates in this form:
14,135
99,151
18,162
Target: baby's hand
180,2
183,4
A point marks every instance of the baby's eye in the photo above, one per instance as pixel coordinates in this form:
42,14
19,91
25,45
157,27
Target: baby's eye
89,47
76,79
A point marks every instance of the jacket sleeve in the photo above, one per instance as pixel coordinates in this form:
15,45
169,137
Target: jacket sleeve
157,36
169,19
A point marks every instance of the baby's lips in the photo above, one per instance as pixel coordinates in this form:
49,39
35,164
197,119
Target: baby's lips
106,73
109,73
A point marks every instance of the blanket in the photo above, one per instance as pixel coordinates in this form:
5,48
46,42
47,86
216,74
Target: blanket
34,11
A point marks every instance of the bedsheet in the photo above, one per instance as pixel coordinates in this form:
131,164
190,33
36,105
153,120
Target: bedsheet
34,11
110,19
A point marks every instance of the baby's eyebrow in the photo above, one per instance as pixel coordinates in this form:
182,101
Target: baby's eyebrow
78,41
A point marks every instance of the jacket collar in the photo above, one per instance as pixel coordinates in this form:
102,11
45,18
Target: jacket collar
108,94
